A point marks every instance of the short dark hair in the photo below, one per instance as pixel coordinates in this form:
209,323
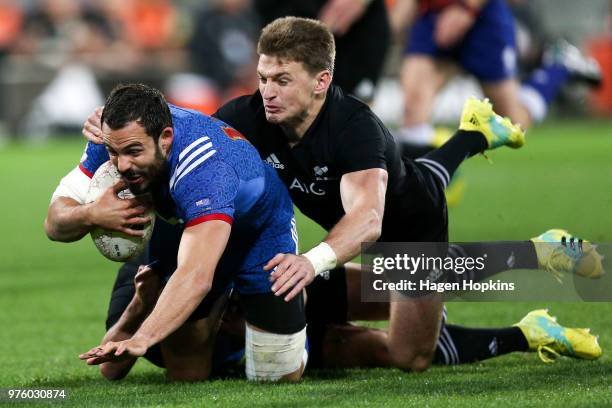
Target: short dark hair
301,40
137,102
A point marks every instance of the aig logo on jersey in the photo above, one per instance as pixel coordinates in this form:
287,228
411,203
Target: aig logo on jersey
306,188
273,161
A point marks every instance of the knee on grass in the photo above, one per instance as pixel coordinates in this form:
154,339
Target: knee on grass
112,373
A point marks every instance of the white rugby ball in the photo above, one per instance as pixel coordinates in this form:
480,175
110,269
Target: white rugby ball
114,245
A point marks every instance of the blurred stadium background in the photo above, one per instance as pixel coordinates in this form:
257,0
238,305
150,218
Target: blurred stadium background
59,58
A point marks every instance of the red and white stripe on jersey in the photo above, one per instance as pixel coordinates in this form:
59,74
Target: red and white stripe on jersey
210,217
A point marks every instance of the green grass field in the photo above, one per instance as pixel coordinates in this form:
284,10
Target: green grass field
53,297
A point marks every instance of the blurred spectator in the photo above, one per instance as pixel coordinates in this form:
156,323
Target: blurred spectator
11,20
150,34
148,24
111,35
223,44
362,33
58,29
222,55
478,36
55,34
66,46
193,91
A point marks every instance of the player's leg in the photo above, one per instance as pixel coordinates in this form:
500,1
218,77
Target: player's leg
275,343
334,299
344,345
421,76
127,310
480,129
506,98
434,339
349,346
528,102
414,327
338,344
356,309
188,352
353,346
536,332
489,53
275,346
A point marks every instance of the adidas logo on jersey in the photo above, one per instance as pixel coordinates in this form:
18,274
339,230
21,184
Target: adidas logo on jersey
273,161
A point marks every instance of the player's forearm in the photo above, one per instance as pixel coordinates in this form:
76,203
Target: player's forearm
67,220
128,324
180,297
360,225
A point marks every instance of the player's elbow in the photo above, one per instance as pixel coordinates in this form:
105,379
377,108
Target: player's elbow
201,287
412,360
51,230
421,363
54,232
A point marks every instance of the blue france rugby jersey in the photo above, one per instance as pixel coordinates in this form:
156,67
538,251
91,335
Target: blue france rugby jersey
215,174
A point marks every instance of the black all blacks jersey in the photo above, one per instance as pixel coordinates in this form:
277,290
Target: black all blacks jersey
345,137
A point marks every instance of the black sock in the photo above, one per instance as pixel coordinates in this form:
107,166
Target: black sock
462,145
413,150
460,345
500,256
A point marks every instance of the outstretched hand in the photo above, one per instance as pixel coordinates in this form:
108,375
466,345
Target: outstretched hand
115,351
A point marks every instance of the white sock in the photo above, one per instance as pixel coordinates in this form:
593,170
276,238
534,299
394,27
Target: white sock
421,134
534,102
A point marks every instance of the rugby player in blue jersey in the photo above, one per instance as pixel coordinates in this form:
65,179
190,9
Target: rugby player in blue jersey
477,36
237,215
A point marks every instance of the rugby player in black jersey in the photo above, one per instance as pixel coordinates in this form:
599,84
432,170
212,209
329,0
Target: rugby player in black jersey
344,171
